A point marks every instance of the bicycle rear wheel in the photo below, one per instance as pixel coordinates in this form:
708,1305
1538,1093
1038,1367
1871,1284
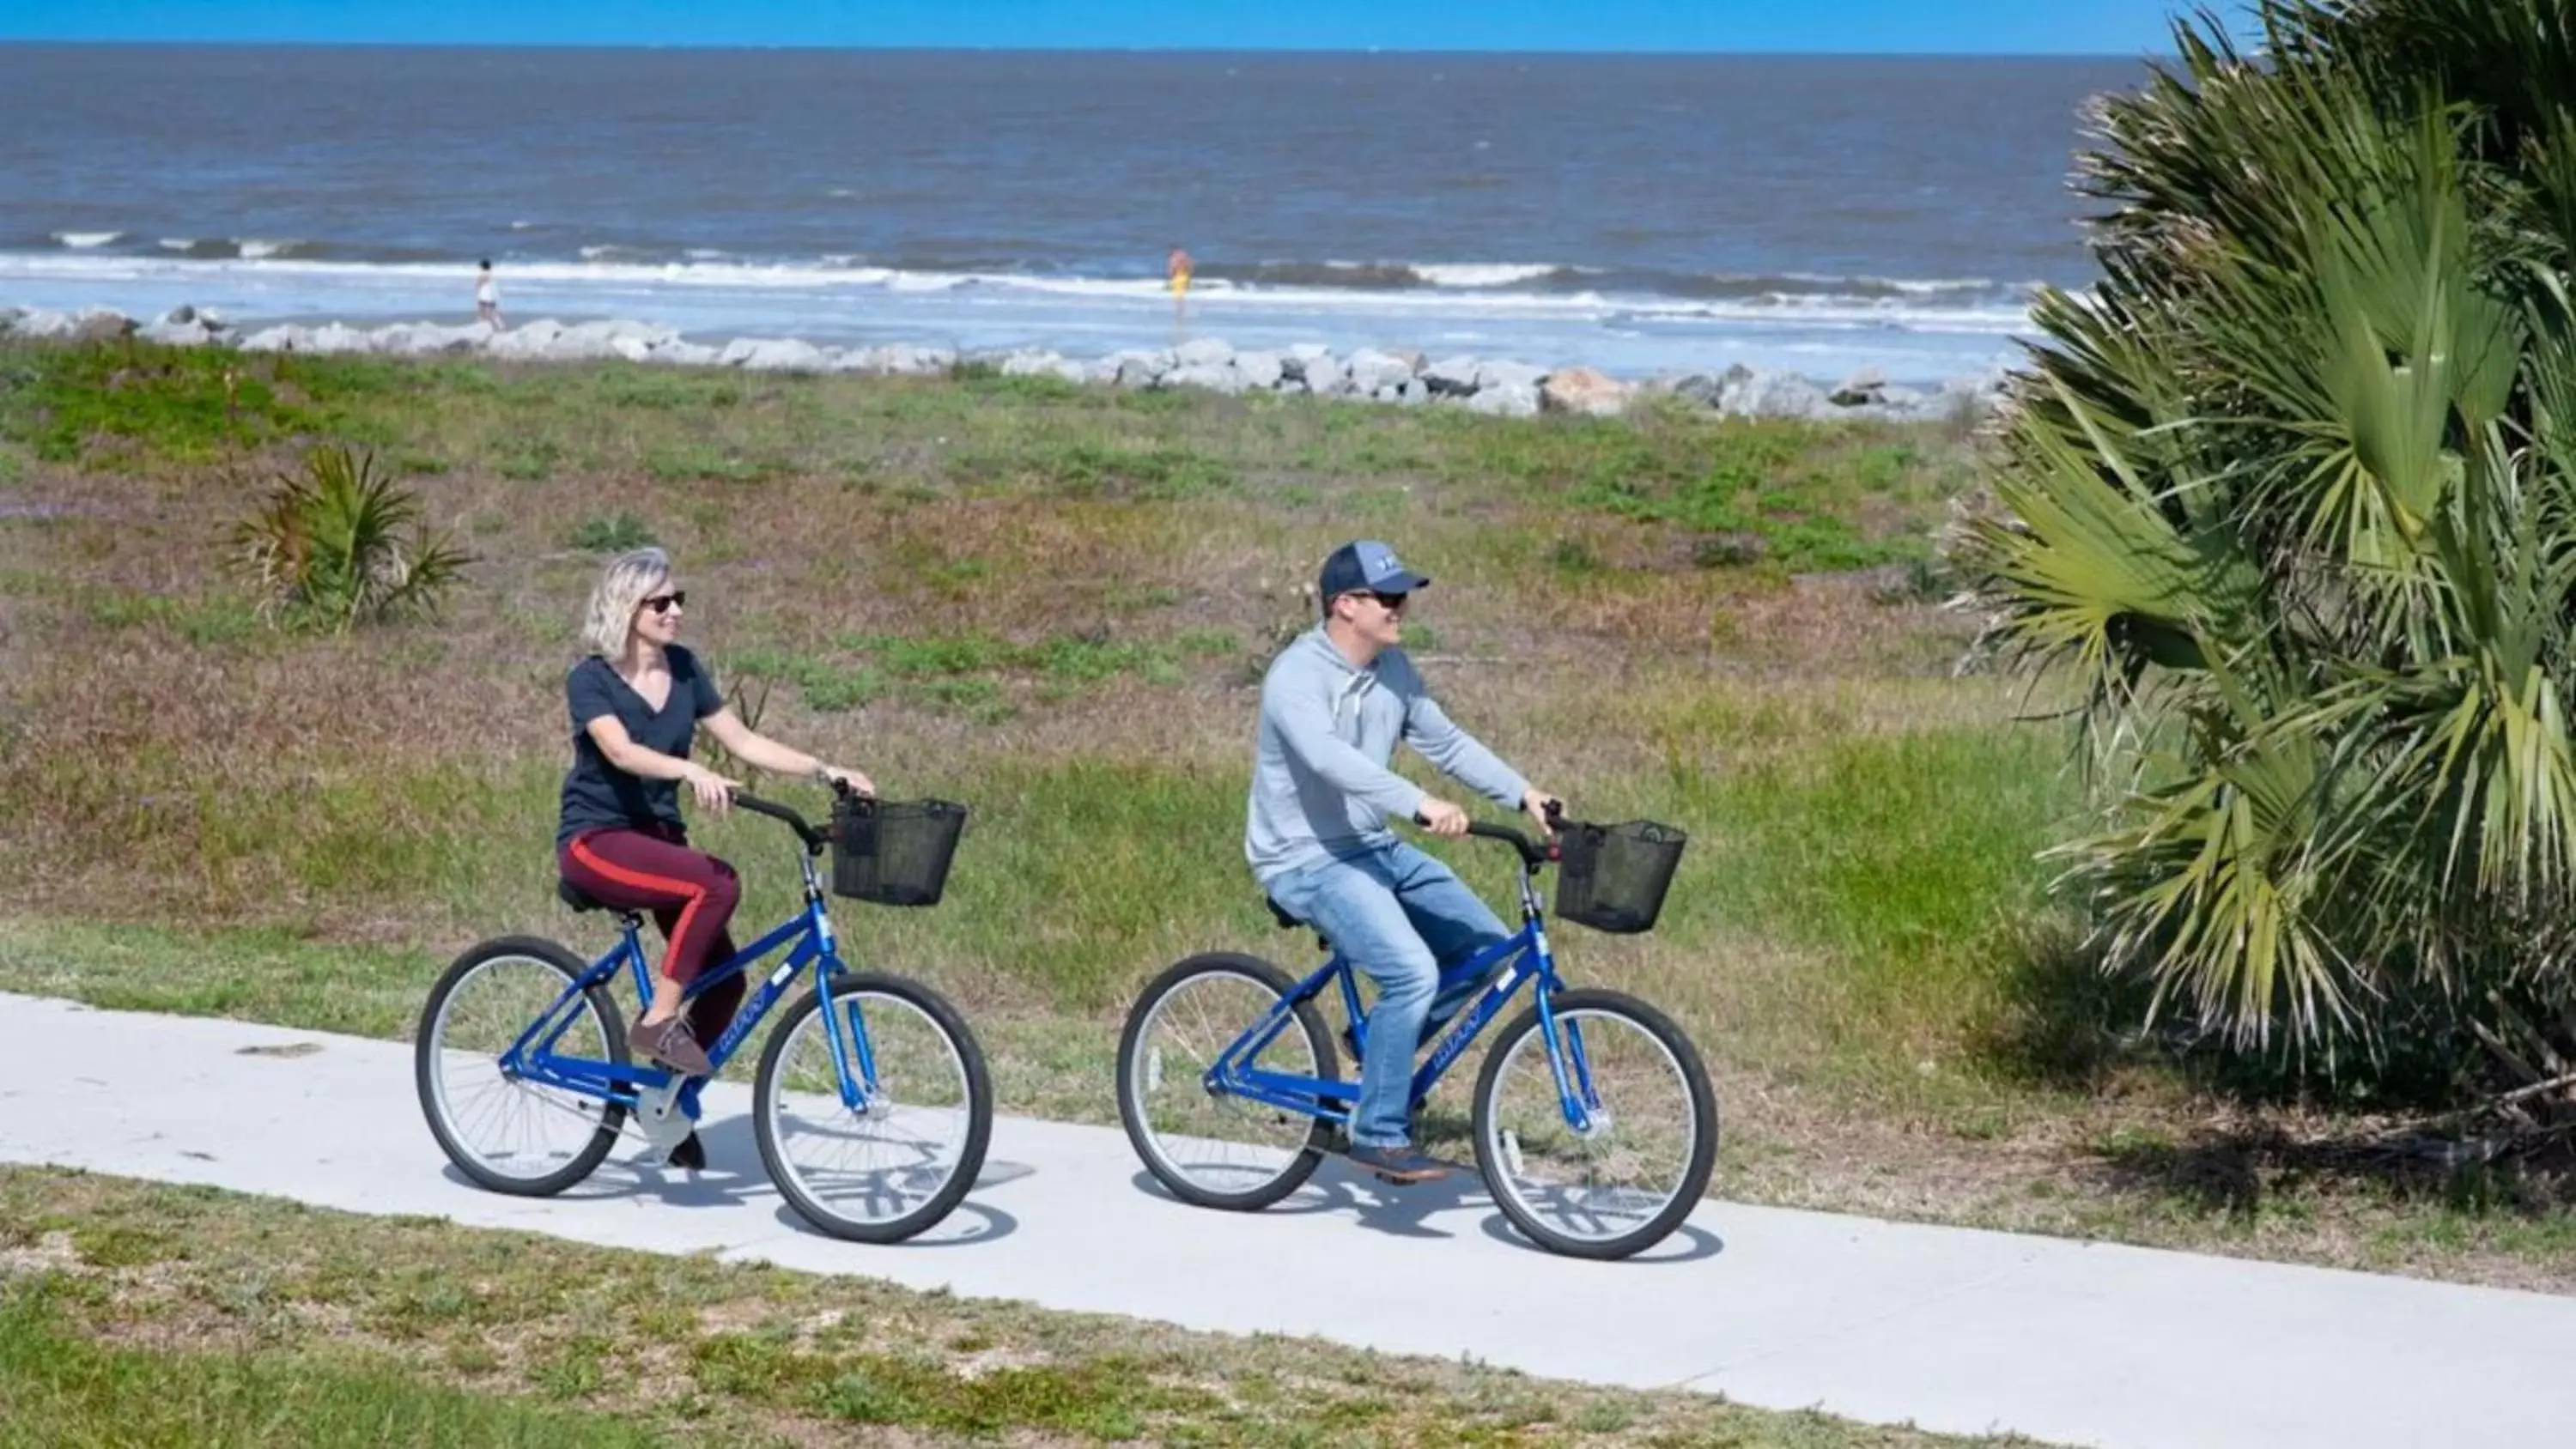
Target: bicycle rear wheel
504,1131
1641,1158
908,1154
1211,1147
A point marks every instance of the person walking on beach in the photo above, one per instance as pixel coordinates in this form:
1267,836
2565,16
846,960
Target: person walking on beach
487,297
1176,275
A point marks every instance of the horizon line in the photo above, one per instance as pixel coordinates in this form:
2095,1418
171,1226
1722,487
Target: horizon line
246,43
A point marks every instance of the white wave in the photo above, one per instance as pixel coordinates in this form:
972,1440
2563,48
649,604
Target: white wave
84,240
1478,274
253,248
178,243
1986,310
521,225
705,254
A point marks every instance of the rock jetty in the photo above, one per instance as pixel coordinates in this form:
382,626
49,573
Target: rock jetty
1492,386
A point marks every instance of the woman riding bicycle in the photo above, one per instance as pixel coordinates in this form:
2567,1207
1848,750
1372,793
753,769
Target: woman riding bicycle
636,702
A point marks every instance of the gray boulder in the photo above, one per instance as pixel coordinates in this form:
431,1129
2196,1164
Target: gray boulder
1261,371
1775,395
1861,388
773,354
1030,362
1584,391
591,340
43,325
1132,368
191,333
286,337
424,339
1508,375
339,339
1203,352
905,359
100,325
1701,388
683,354
1324,374
1371,370
1514,400
1452,376
1213,376
527,342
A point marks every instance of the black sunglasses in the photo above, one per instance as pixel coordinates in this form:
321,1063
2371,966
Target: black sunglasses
1386,600
665,603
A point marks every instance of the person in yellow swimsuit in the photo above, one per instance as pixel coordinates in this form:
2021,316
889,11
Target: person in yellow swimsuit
1176,275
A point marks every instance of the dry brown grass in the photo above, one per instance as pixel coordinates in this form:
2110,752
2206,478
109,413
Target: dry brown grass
1857,940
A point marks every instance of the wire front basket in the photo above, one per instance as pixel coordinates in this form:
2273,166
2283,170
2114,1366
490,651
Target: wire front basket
893,853
1613,877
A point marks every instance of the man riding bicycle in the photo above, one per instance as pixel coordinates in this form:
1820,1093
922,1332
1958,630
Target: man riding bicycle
1333,705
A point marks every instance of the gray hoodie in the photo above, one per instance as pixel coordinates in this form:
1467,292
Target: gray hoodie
1320,785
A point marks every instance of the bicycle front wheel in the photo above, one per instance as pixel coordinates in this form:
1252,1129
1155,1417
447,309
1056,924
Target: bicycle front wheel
907,1154
501,1129
1208,1146
1634,1165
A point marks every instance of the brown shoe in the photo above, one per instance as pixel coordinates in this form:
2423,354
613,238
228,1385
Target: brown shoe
670,1043
1399,1164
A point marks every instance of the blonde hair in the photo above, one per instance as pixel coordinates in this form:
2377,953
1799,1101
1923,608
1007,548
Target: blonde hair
623,586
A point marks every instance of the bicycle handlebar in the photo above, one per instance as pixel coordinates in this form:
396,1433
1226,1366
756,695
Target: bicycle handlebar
1533,853
814,839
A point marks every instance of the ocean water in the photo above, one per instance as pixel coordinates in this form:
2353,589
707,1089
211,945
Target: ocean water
1640,214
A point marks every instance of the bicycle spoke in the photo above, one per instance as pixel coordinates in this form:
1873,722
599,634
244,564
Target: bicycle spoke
1611,1172
511,1127
1222,1143
908,1138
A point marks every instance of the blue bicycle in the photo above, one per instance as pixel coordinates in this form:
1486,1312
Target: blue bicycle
871,1103
1594,1123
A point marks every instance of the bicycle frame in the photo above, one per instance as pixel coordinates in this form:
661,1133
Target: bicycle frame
809,940
1530,958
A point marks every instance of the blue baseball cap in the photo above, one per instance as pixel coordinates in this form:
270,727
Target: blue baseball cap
1364,564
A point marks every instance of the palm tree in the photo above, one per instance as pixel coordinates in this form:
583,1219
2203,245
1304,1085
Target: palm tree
2290,497
328,549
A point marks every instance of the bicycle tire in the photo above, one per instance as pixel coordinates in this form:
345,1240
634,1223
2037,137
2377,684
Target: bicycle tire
1700,1160
767,1094
428,1076
1131,1107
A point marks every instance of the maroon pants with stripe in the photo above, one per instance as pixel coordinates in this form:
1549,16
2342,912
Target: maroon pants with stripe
690,894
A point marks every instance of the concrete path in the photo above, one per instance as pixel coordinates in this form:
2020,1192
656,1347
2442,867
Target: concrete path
1949,1328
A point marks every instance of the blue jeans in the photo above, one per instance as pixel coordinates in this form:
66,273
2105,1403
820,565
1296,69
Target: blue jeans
1399,916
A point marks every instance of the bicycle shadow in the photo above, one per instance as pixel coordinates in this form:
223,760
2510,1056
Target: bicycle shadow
735,1176
1409,1210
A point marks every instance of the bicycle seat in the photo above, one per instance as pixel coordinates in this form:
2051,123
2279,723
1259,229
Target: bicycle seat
1288,922
577,898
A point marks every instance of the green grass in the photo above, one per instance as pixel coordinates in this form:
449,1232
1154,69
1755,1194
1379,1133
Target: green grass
307,1327
610,533
59,1390
1054,604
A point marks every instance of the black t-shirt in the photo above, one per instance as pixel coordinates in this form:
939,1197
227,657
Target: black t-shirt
597,794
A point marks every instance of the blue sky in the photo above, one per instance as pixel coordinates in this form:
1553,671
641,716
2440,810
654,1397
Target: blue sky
2101,27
